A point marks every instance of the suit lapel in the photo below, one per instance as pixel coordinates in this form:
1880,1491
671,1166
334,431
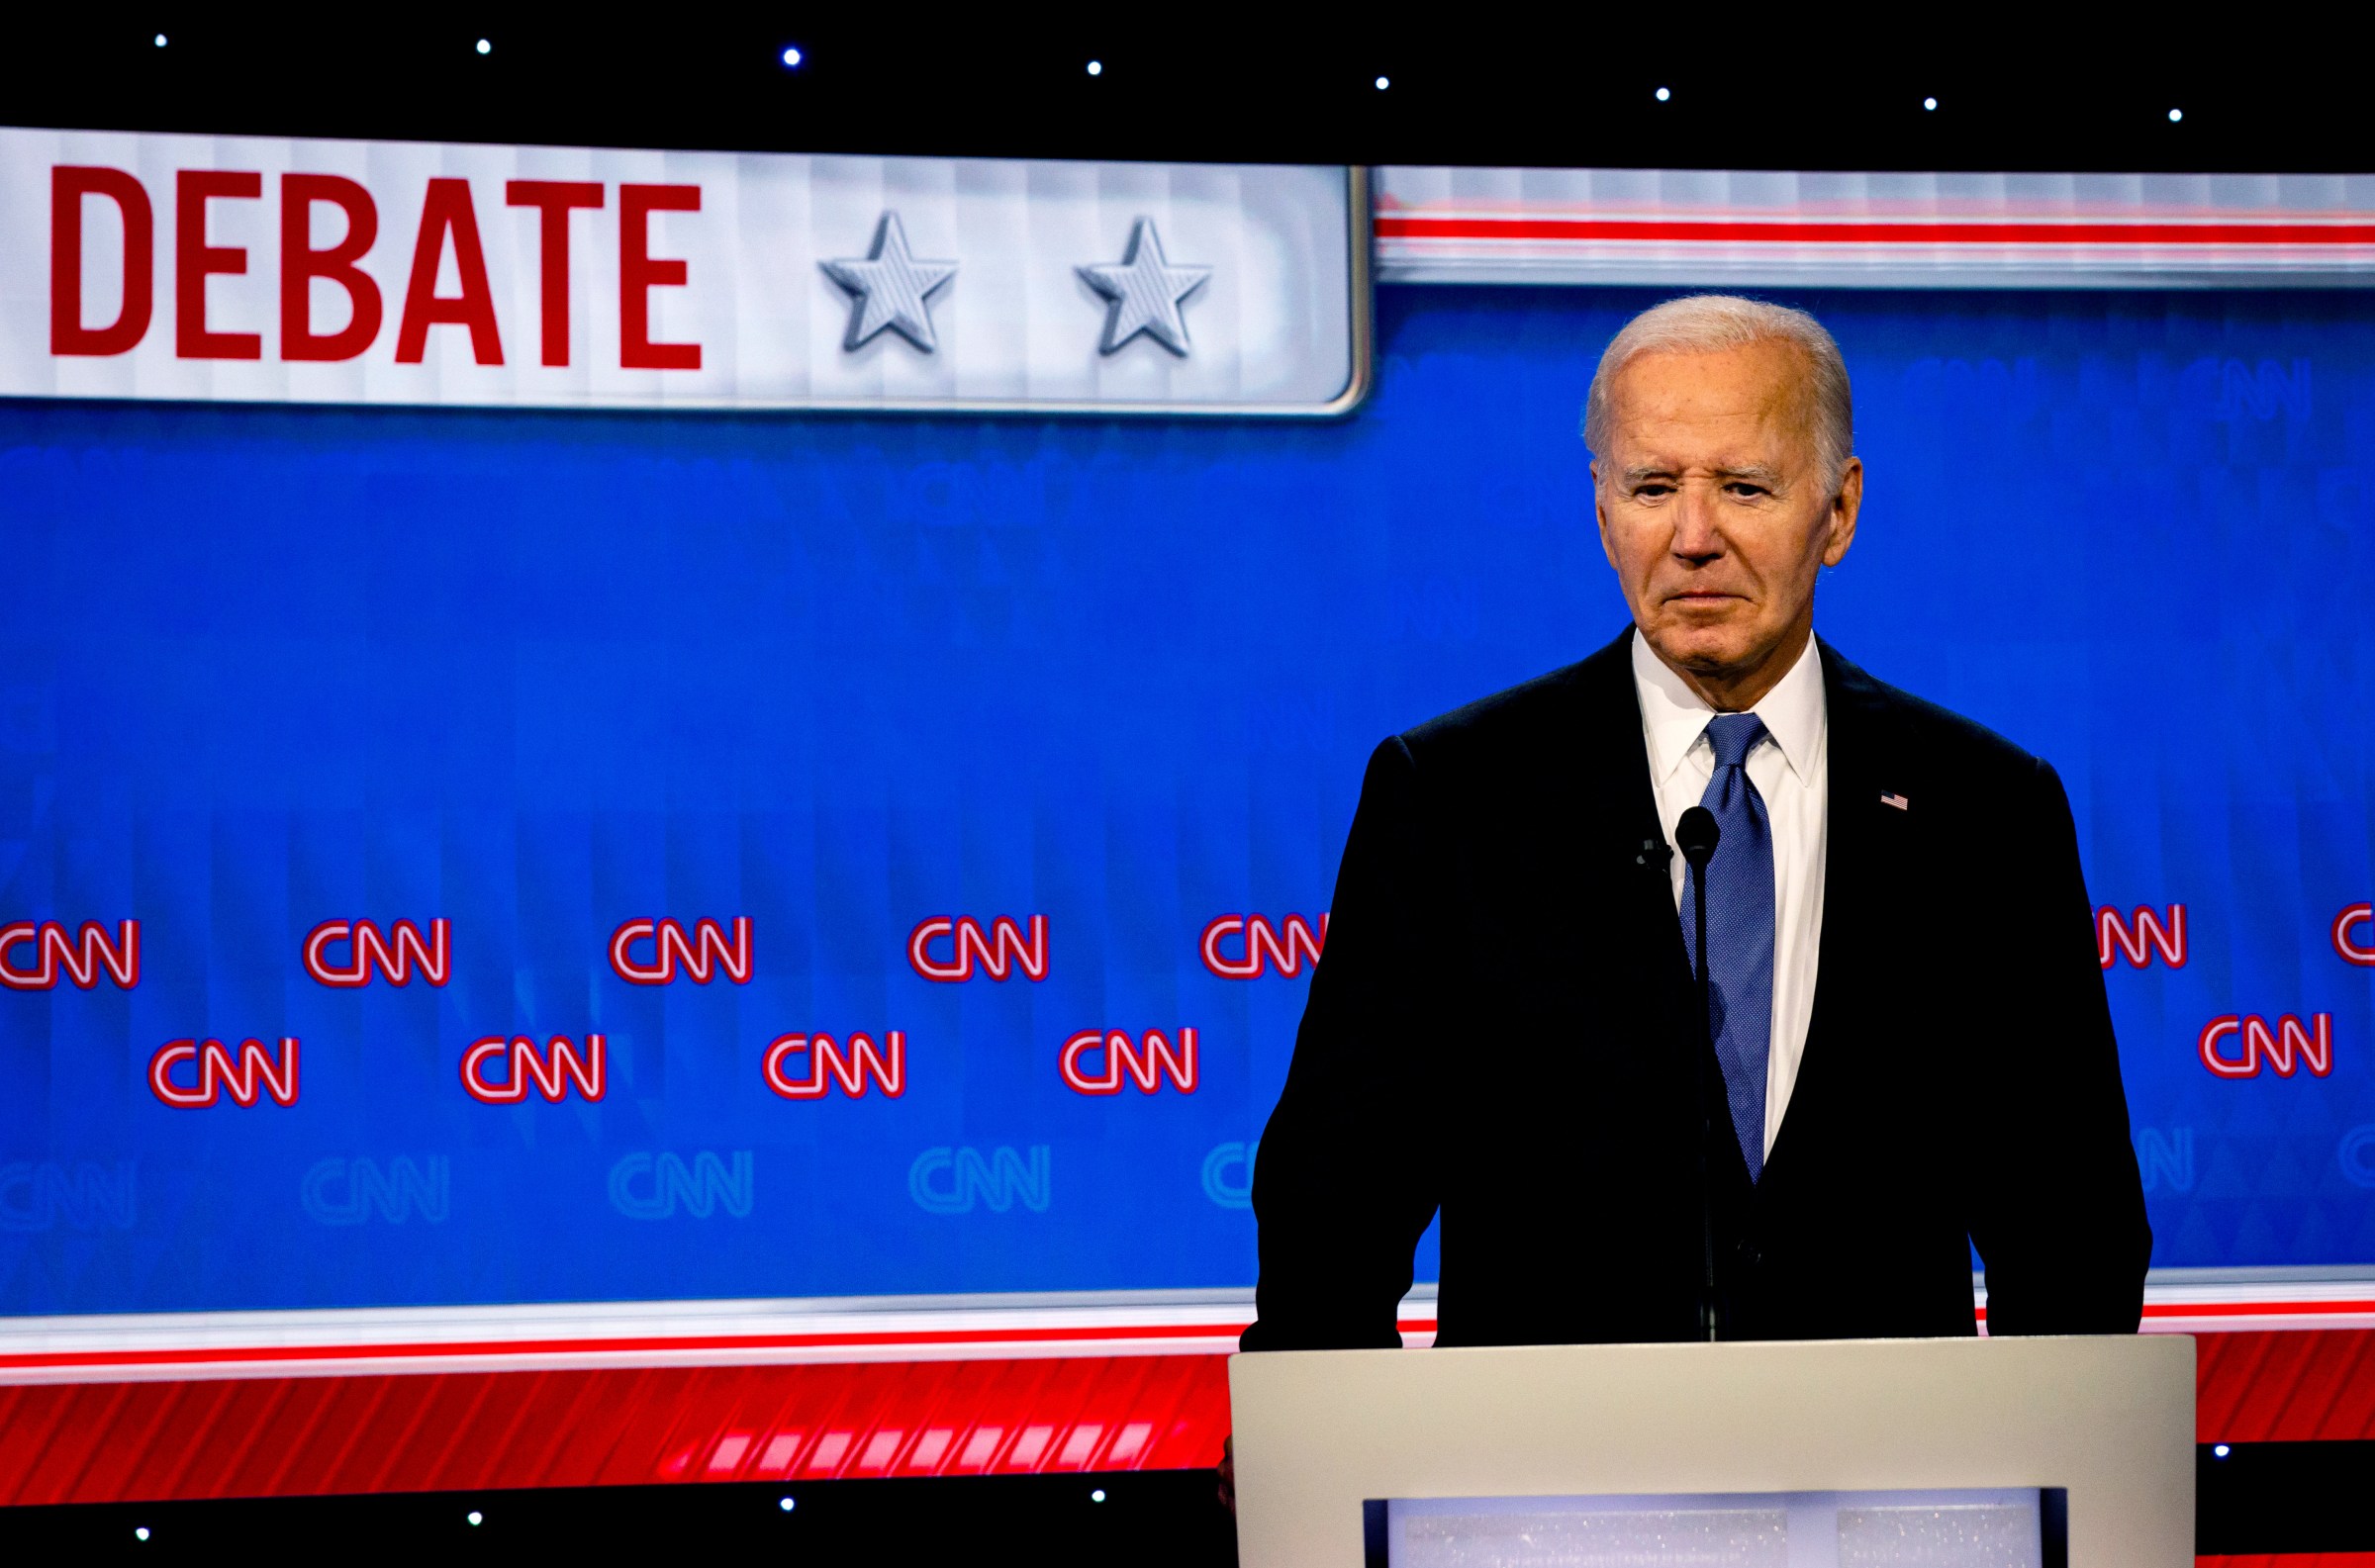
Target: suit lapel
1617,858
1618,838
1862,839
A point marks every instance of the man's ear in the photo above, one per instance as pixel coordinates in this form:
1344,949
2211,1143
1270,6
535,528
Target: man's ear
1844,507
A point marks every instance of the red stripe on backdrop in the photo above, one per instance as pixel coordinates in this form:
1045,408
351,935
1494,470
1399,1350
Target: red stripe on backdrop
93,1442
439,1349
2276,1386
2250,1309
889,1342
1797,232
2315,1559
2210,1312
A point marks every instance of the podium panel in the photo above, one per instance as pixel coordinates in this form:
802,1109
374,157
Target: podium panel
1992,1453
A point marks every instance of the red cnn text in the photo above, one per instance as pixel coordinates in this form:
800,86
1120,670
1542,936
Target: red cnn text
2237,1047
500,1069
191,1074
80,957
997,953
1246,946
809,1066
2136,937
1144,1063
701,955
2354,935
348,953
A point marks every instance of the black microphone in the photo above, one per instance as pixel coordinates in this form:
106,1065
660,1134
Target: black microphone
1697,835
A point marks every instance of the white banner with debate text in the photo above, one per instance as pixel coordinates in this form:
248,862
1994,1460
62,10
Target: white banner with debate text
263,269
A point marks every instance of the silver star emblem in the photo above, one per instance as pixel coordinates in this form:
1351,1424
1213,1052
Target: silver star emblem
888,289
1146,291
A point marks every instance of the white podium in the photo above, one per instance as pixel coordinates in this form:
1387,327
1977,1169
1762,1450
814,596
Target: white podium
1925,1453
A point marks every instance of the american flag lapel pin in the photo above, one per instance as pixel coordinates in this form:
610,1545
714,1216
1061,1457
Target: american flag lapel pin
1896,800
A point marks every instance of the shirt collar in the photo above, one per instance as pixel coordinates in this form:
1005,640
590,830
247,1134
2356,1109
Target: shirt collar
1673,717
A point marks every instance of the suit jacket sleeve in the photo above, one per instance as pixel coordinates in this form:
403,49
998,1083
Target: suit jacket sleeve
2058,1209
1345,1177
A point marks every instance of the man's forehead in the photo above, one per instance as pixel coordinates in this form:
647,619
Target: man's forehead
1739,408
1752,379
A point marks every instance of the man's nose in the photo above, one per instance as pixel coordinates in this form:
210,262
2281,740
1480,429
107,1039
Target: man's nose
1695,535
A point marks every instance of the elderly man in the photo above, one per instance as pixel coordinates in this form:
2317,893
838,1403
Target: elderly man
1911,1050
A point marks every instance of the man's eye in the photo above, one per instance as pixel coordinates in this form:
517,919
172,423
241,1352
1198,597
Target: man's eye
1653,491
1744,488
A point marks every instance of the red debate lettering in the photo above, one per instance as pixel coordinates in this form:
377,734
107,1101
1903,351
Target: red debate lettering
640,272
79,957
2352,952
194,261
2136,942
554,201
1281,947
702,956
255,1072
1146,1063
828,1066
448,218
552,1069
300,264
2282,1047
68,185
999,953
446,211
370,951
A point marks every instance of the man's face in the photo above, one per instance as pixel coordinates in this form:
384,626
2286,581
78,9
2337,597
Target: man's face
1713,511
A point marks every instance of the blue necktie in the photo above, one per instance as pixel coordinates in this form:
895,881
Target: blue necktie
1740,929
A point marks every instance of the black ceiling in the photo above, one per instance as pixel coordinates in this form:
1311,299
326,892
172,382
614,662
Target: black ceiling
1469,88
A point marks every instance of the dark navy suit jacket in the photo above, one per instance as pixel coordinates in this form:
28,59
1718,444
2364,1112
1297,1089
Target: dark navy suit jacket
1502,1030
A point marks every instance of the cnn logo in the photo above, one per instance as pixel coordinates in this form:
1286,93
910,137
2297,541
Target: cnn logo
952,1180
1145,1062
2354,935
249,1076
394,953
2137,937
552,1069
996,952
810,1067
1245,947
80,957
700,955
2238,1045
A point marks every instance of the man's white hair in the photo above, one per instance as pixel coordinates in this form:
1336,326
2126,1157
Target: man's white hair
1709,323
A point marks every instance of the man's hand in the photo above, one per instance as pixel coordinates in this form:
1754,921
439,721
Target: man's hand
1228,1475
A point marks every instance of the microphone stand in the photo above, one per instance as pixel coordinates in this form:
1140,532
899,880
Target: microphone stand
1697,834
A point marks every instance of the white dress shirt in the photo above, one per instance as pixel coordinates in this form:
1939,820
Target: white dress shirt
1790,768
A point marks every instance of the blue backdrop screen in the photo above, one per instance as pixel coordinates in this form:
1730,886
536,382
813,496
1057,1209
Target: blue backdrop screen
543,675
